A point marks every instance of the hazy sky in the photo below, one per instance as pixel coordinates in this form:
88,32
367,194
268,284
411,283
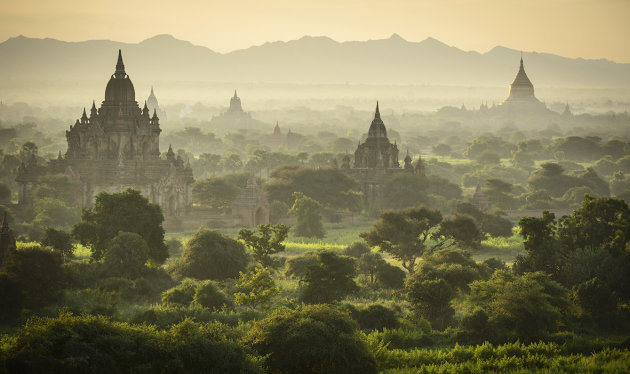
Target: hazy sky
572,28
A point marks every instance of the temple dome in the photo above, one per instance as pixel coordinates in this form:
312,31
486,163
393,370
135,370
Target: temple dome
377,128
521,88
119,88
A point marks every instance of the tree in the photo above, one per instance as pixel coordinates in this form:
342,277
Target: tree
454,266
356,249
57,186
38,274
404,234
255,288
331,187
267,243
51,212
369,263
596,301
11,300
211,255
390,276
208,295
182,294
329,279
126,255
431,299
603,222
544,252
60,241
126,211
309,220
527,306
96,344
463,230
311,339
406,190
215,192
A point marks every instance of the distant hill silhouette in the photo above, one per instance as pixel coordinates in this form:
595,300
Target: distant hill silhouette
317,60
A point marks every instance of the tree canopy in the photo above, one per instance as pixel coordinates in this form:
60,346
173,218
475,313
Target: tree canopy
127,211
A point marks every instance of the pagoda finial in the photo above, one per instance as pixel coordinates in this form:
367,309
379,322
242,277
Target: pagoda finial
152,91
377,114
120,66
235,95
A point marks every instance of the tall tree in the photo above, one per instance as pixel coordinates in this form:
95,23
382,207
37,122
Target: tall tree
127,211
408,234
309,220
266,243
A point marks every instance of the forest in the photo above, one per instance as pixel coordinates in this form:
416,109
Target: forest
535,278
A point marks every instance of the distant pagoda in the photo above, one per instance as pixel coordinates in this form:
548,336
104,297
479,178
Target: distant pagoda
376,161
152,104
235,117
521,97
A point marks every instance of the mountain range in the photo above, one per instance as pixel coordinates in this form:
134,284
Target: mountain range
308,60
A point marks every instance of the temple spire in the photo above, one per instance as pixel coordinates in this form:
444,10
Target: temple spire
152,94
235,95
120,67
377,114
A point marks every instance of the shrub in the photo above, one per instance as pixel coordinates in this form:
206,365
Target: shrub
38,274
126,255
375,317
431,299
330,279
182,294
209,296
11,297
88,344
211,255
312,339
296,267
356,249
390,276
256,287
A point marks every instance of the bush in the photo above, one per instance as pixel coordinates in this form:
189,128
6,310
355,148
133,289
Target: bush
38,274
296,267
12,299
431,299
182,294
209,296
330,279
126,255
312,339
356,249
375,317
211,255
390,276
95,344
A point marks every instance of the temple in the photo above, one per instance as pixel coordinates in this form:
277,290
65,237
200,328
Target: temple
114,148
521,96
376,160
250,207
235,117
152,104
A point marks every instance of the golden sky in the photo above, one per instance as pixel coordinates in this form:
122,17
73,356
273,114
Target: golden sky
572,28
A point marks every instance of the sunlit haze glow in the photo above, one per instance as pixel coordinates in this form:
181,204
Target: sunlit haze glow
572,28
